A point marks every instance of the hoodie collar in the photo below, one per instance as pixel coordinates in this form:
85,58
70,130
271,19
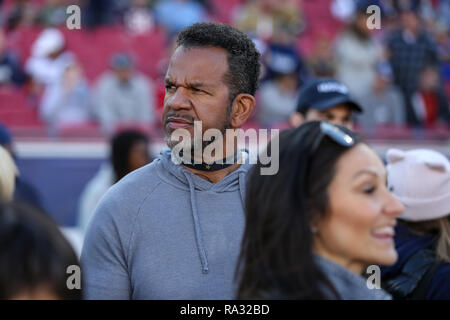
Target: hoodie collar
175,174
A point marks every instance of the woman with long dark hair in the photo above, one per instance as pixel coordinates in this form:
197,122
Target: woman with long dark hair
313,228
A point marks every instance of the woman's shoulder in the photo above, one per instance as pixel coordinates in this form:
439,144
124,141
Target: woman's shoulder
440,286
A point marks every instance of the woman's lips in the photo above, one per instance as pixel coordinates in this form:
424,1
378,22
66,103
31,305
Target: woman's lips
385,234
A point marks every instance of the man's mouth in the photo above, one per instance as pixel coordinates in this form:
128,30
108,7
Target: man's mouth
178,123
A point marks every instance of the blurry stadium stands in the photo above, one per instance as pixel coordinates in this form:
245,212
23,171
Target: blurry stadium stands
93,49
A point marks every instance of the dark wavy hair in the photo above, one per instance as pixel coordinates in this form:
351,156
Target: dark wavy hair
243,57
121,145
277,261
33,253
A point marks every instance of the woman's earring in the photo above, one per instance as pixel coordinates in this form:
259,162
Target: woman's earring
313,230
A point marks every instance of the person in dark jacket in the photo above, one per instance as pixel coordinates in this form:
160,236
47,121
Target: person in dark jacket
421,180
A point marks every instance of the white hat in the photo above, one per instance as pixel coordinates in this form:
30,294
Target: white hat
420,179
50,40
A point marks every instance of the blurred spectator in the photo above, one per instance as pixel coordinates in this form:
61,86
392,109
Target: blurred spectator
8,174
175,15
265,18
123,95
23,13
279,94
278,55
24,192
34,256
420,179
49,58
325,99
410,49
383,102
357,54
430,103
321,60
102,12
53,13
138,18
442,32
10,70
66,103
129,151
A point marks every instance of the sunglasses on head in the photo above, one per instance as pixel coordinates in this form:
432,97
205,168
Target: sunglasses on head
335,134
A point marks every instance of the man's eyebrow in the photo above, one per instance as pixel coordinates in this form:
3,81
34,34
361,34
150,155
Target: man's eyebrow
196,85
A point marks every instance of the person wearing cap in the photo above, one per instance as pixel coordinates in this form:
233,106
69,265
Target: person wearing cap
325,100
123,95
420,179
49,58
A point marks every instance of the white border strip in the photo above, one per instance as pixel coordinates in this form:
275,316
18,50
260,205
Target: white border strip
95,150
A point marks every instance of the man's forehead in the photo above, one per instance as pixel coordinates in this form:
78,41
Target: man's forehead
197,64
206,54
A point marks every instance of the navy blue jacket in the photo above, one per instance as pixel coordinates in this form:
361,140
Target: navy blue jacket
407,244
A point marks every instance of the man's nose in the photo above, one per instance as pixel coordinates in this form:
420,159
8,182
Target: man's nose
179,99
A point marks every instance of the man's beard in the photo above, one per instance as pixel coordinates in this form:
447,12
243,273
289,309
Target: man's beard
189,144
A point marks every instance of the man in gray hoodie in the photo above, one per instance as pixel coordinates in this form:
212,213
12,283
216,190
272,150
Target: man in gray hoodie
173,231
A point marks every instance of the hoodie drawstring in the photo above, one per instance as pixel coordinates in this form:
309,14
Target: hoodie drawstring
242,188
198,232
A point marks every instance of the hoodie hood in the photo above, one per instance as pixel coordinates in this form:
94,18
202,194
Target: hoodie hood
180,177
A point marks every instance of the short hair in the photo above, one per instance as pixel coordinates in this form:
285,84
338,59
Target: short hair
242,56
33,253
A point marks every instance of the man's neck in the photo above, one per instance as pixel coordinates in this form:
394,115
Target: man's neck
217,175
214,176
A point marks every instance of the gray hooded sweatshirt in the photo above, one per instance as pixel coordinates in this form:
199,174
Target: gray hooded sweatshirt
164,233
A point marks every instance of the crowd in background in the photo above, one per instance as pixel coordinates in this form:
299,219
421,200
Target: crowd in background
399,73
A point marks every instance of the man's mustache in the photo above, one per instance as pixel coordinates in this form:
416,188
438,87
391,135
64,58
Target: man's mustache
178,115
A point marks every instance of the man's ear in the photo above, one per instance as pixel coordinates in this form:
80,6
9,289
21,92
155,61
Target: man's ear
243,106
296,119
